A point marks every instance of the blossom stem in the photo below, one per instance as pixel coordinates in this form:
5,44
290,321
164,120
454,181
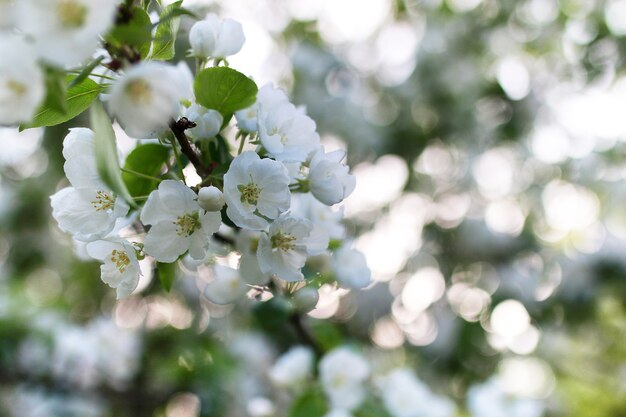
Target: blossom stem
179,127
139,174
304,335
243,141
106,77
179,163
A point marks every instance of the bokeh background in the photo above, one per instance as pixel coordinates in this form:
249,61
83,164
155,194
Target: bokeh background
488,139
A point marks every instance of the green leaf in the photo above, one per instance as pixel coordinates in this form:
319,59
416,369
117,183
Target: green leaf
164,46
56,91
137,32
167,274
107,160
177,12
224,89
86,71
371,408
145,159
311,404
78,99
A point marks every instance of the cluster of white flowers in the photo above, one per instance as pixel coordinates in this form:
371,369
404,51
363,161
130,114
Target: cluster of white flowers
404,395
344,375
44,33
25,400
97,353
90,211
279,195
489,399
293,368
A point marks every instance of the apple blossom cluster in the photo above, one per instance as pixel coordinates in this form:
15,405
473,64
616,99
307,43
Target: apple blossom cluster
187,188
348,381
351,382
40,37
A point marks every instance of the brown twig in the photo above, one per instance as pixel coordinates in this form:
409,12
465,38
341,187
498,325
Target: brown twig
304,335
179,127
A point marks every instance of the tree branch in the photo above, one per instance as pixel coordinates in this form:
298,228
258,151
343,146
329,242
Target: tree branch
304,335
179,127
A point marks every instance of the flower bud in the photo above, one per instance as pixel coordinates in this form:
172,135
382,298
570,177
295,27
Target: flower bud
208,122
215,38
306,299
210,198
329,180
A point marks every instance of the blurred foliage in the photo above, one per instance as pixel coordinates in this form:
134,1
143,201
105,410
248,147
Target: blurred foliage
450,99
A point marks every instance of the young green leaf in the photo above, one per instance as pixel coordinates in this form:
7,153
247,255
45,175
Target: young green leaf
137,32
148,160
163,47
107,160
78,99
224,89
56,91
167,274
311,404
86,71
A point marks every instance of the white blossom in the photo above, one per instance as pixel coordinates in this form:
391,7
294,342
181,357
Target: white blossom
305,299
286,133
246,243
330,219
21,81
147,97
178,222
404,395
268,97
490,400
255,190
120,268
342,373
211,198
251,272
87,213
88,209
80,160
351,268
65,32
292,368
208,122
216,38
329,180
226,287
96,353
284,249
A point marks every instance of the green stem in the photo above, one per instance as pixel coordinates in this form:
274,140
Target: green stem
139,174
177,157
178,128
243,141
94,75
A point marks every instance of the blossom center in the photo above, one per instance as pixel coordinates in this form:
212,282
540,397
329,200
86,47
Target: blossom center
338,381
139,91
120,259
17,87
71,13
187,224
283,136
250,193
283,241
103,201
